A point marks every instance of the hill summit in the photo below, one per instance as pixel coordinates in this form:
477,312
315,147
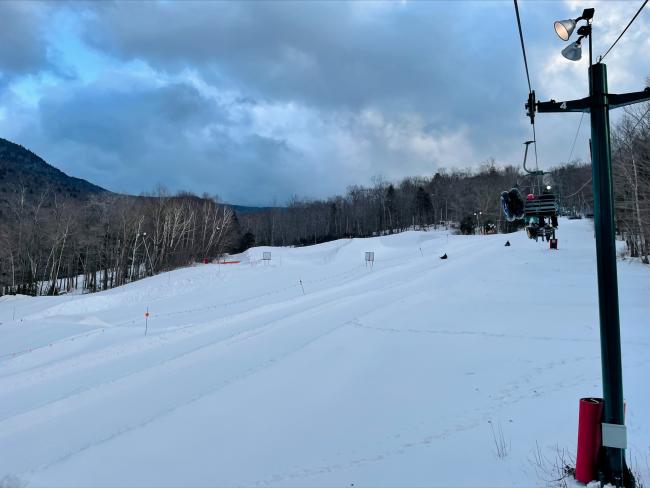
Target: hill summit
21,169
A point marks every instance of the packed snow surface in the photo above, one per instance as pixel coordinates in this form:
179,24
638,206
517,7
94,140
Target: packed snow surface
416,371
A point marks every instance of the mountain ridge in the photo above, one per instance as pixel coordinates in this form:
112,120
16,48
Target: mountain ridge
23,171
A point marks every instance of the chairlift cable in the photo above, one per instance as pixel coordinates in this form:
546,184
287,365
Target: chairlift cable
539,177
571,154
530,89
624,30
575,138
574,142
580,189
523,49
639,119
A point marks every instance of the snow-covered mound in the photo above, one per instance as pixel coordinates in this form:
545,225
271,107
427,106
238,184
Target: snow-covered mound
313,369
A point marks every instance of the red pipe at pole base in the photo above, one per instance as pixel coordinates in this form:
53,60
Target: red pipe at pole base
589,439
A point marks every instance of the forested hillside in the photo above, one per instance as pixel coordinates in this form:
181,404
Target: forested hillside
470,199
465,199
108,241
631,166
25,174
54,228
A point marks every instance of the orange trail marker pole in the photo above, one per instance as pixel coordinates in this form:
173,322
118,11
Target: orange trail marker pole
146,321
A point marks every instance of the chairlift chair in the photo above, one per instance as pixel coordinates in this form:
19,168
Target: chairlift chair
540,214
538,211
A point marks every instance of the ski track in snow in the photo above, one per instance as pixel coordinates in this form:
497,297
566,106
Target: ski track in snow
390,330
67,402
33,416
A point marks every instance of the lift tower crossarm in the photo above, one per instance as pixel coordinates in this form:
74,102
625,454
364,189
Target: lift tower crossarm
581,105
616,101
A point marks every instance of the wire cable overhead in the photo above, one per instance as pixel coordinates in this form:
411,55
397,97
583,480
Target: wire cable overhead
530,89
575,138
523,49
624,30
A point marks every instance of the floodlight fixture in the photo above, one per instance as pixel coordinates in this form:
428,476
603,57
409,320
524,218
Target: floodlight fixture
573,52
564,28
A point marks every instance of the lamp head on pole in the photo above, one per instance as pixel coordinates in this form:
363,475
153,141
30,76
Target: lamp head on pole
573,52
564,28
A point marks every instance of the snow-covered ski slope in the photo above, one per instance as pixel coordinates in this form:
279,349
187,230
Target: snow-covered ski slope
404,374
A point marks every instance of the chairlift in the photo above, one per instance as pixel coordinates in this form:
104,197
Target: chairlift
530,172
538,211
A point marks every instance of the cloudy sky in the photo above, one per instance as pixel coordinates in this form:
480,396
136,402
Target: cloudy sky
260,101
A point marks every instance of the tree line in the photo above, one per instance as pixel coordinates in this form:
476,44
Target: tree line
51,245
468,200
631,171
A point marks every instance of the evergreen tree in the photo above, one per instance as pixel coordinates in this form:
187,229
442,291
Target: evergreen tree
423,206
467,224
247,241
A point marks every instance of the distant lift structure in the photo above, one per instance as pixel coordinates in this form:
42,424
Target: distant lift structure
539,211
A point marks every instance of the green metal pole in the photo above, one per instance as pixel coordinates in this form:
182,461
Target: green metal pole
610,335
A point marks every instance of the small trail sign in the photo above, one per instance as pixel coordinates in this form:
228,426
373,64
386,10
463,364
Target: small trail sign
266,256
370,258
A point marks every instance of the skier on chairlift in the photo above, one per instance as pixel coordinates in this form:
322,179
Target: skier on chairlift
513,204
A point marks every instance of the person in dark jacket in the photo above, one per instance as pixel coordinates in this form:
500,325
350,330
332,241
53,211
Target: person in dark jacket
513,204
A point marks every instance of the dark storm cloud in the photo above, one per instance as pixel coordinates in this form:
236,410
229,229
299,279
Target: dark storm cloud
23,47
426,55
258,101
123,118
131,135
452,63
